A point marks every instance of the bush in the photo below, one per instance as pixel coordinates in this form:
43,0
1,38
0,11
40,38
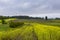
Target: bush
3,20
14,24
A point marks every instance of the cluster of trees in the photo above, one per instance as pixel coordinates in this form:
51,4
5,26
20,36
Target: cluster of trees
57,18
25,17
4,17
20,17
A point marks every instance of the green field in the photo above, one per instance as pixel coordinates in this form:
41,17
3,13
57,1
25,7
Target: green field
32,30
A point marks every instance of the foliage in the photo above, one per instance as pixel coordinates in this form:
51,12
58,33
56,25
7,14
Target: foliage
46,18
32,30
42,32
14,24
2,20
46,32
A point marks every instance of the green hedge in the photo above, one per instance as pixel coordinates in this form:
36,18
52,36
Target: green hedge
14,24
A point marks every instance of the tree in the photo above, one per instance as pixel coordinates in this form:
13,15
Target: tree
46,18
2,19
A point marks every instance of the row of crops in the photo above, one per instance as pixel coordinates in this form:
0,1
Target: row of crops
45,32
17,34
32,31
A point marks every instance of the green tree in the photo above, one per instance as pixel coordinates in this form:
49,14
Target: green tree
2,19
46,18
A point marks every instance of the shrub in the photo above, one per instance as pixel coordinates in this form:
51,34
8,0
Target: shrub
2,20
14,24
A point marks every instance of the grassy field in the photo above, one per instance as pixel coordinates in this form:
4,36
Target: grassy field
32,30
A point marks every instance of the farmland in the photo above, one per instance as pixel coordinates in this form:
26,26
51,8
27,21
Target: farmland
31,30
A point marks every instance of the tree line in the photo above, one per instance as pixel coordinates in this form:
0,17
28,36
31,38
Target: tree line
26,17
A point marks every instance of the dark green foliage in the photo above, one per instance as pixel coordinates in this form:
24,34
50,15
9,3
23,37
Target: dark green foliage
46,18
2,20
14,24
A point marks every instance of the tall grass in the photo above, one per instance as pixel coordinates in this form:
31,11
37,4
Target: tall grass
32,31
45,32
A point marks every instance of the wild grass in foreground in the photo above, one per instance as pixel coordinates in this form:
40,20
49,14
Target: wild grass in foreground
32,31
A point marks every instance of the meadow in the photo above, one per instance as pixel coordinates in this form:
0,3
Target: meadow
32,29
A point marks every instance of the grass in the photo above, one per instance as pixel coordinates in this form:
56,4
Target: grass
4,27
35,31
7,20
45,22
45,32
31,31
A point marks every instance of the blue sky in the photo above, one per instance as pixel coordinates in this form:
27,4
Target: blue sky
50,8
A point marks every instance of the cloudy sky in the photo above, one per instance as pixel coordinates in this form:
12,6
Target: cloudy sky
50,8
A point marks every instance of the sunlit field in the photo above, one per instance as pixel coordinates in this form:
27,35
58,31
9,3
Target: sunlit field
31,30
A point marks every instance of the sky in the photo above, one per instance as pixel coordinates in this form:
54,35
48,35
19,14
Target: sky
39,8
